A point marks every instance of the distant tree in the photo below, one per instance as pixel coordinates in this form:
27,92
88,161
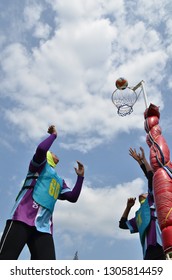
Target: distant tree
76,256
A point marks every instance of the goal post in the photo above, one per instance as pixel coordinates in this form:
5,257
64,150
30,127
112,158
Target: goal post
125,99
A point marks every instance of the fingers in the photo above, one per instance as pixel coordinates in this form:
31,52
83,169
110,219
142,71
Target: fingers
80,169
80,165
132,199
131,150
142,151
133,153
52,129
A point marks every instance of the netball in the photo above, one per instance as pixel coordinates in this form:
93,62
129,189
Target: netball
121,83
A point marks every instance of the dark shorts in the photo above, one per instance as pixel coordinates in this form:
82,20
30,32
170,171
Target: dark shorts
18,234
155,253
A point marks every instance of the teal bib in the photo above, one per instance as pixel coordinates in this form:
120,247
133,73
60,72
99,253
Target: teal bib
143,217
47,188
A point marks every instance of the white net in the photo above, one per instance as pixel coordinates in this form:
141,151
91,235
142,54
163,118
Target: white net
124,100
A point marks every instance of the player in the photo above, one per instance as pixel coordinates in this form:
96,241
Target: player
145,221
31,218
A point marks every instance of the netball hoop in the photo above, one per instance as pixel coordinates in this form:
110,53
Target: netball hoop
125,99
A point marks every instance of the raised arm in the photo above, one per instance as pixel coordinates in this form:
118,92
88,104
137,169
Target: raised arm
145,166
124,217
73,194
141,159
130,203
135,155
43,147
144,160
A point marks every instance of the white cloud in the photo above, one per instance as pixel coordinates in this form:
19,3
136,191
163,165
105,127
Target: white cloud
32,14
154,14
42,31
68,79
76,10
97,211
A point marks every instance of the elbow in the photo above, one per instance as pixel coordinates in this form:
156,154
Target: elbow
120,225
73,200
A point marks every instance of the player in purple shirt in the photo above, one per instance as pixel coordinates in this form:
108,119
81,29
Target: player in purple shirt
145,221
31,217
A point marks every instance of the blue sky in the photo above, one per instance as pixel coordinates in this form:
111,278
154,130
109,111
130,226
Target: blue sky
58,65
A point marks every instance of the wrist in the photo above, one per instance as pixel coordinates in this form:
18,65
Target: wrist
55,133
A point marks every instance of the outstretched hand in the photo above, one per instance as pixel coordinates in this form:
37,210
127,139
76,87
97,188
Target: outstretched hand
131,202
139,157
80,170
134,154
52,130
142,155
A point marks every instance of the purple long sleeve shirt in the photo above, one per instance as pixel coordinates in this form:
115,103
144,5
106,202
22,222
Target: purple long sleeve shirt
153,233
26,209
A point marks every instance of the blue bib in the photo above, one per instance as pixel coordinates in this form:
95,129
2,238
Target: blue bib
47,188
143,217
